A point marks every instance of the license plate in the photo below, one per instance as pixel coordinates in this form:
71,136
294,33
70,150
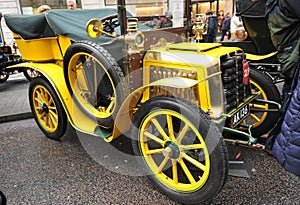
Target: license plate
240,115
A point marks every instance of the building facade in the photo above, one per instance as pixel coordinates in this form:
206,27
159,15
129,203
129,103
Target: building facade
137,7
31,6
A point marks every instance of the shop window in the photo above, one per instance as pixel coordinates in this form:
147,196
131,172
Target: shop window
31,6
143,7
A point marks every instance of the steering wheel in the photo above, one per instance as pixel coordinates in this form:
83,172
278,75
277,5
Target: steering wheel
110,23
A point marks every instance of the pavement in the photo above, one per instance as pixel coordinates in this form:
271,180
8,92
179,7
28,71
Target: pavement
14,102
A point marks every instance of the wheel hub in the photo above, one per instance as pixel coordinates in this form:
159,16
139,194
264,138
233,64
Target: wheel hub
45,108
171,150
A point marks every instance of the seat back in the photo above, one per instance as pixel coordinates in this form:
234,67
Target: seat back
257,28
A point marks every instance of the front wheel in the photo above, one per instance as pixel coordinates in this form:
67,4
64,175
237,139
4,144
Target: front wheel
182,151
261,120
47,109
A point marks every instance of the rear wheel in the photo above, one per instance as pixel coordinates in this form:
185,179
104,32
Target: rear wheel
47,109
30,73
95,81
181,150
261,121
3,78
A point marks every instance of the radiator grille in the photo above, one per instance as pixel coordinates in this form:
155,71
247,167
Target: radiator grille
235,90
158,72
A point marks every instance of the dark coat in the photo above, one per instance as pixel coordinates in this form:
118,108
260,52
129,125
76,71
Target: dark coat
284,25
212,29
286,148
212,26
285,32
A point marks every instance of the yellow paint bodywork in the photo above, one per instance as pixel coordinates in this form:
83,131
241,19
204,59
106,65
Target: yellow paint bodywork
54,74
202,58
259,57
44,49
78,119
128,107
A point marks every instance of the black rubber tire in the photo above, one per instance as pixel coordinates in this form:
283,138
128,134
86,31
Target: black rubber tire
105,85
272,94
3,199
30,76
3,78
218,156
56,109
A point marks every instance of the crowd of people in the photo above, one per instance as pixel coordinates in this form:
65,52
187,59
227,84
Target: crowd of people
226,26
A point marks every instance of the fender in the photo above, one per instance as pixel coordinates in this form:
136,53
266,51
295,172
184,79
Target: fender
253,57
55,76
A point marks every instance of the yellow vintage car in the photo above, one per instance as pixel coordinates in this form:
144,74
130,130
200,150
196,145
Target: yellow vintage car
105,73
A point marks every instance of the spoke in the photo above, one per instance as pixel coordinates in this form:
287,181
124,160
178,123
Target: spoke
38,100
37,110
191,147
194,162
53,115
153,137
187,171
40,96
43,95
53,120
50,123
83,81
42,116
174,171
51,101
257,119
163,164
51,107
182,133
78,66
170,127
95,80
159,128
47,119
47,98
154,151
111,105
87,58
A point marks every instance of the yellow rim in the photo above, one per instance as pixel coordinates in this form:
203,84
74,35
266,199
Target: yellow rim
45,108
178,159
84,90
255,119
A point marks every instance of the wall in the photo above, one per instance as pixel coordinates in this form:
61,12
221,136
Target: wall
8,7
92,4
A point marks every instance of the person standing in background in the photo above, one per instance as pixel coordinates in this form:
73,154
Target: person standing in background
284,25
71,4
43,8
212,27
237,29
226,21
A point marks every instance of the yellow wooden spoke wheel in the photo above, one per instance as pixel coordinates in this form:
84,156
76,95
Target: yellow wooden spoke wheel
47,109
262,120
180,149
95,80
